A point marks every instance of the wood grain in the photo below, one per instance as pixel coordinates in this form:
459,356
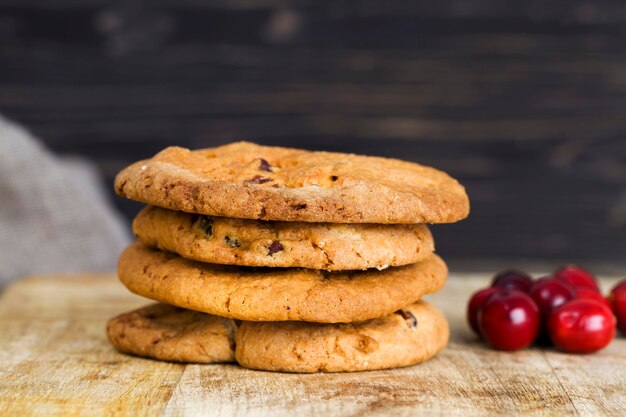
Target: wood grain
55,360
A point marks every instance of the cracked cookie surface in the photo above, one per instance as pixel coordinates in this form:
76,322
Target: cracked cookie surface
409,336
273,294
245,180
173,334
327,246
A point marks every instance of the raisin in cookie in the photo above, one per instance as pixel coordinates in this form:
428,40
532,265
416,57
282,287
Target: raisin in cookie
409,336
272,294
245,180
327,246
173,334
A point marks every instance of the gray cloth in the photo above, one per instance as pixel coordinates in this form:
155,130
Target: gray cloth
54,216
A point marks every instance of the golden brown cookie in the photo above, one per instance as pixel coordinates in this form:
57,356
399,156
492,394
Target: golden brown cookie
173,334
271,294
328,246
409,336
245,180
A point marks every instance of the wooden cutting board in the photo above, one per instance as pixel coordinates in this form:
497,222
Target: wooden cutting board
55,360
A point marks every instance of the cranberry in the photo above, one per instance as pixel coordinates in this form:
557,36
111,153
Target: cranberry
576,276
617,299
586,292
509,320
512,280
581,326
550,293
477,300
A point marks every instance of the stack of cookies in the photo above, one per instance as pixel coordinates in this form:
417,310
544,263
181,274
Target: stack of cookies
284,260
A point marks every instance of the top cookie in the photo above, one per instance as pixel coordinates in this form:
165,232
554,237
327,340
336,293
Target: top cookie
245,180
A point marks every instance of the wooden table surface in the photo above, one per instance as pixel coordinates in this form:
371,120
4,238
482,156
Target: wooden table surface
55,360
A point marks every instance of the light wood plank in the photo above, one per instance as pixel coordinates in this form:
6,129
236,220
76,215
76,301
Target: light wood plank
55,360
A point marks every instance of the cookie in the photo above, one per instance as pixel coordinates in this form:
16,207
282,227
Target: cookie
173,334
410,336
245,180
272,294
328,246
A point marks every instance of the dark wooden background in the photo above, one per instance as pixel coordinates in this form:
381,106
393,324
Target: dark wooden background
523,101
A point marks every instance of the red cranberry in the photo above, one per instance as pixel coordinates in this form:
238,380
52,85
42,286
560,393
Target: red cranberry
549,293
512,280
617,299
576,276
588,293
581,326
477,300
509,320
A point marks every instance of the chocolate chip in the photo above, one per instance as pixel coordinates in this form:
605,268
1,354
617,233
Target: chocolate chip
276,246
264,165
334,178
257,179
409,317
233,242
206,224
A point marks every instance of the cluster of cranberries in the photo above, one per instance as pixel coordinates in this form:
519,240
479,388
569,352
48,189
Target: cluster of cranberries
565,308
